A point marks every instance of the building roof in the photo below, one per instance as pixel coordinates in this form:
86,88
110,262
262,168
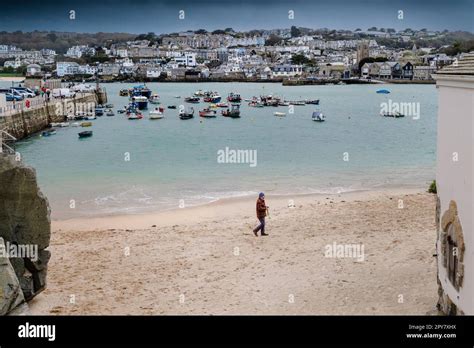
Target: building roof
464,66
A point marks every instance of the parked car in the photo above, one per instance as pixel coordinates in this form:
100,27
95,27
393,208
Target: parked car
18,95
27,93
12,97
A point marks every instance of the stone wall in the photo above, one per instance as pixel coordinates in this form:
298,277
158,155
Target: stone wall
24,223
27,122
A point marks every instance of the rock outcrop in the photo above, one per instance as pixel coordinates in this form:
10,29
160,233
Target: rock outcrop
12,300
25,223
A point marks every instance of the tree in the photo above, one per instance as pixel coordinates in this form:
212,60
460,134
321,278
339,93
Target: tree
358,29
299,59
391,30
229,30
372,29
200,31
52,37
273,40
218,31
295,32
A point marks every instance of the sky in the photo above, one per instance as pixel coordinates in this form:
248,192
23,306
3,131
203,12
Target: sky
162,16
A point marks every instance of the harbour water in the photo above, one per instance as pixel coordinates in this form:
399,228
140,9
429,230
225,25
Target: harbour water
148,165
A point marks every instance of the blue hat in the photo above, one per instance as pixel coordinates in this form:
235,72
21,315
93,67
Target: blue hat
261,194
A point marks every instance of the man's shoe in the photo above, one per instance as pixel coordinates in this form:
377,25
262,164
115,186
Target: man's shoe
255,233
264,234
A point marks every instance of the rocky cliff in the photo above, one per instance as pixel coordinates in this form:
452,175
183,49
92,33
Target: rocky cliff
25,227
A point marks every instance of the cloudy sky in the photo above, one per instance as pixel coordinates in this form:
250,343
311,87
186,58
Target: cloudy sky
161,16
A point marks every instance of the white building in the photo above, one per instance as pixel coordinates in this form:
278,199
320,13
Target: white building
67,68
187,59
87,69
454,179
79,51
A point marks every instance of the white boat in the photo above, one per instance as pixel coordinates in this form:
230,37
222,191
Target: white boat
90,118
60,124
154,99
157,114
75,124
318,117
134,116
279,114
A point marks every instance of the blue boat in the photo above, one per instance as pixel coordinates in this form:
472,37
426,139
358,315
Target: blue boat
383,91
142,91
141,102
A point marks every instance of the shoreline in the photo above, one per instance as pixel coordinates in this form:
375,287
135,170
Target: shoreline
210,210
210,263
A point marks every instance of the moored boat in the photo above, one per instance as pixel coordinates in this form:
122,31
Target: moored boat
193,100
171,106
234,98
99,111
186,115
234,112
157,114
109,112
222,105
134,115
279,114
154,99
141,101
123,92
48,132
318,116
314,102
207,113
86,124
85,134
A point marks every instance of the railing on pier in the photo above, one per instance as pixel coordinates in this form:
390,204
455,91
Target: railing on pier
7,143
20,106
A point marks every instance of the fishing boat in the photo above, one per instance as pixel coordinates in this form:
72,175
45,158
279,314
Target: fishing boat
193,100
283,103
99,111
314,102
109,112
279,114
141,91
141,101
234,98
134,115
86,124
222,105
157,114
122,111
109,106
85,134
234,112
207,113
123,92
154,99
383,91
184,115
49,132
89,118
212,99
171,106
75,124
318,116
177,96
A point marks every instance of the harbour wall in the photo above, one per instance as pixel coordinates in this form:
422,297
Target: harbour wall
28,121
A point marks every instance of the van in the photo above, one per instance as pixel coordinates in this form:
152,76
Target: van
63,93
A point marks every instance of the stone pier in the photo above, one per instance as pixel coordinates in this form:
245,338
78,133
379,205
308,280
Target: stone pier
29,121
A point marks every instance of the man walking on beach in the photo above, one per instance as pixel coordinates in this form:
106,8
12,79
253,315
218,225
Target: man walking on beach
261,213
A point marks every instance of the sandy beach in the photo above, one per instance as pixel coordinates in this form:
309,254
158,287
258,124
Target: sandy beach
206,260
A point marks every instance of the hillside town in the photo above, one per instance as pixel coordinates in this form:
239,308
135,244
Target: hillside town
294,54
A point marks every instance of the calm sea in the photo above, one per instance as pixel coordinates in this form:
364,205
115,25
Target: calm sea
172,161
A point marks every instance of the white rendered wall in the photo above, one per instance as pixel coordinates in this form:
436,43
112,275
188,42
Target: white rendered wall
454,179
